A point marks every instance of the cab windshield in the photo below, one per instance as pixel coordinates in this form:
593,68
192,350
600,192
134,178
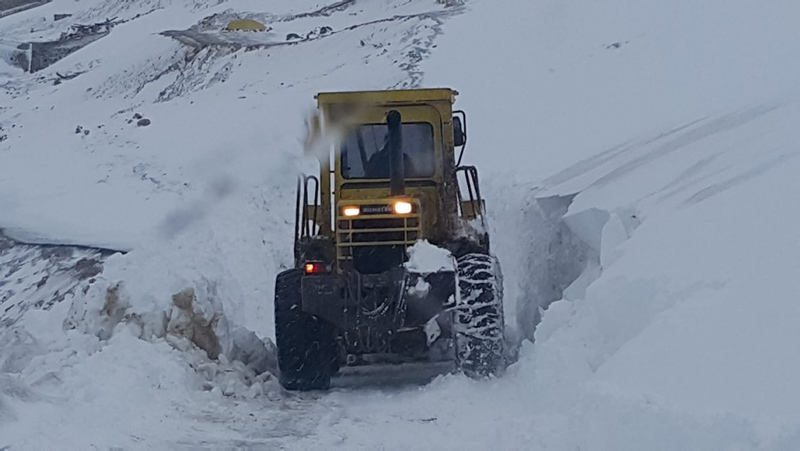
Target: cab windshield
365,154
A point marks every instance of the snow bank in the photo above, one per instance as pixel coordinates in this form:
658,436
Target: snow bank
188,319
9,57
76,391
670,336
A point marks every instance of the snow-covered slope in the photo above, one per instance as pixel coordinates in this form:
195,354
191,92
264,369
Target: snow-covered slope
638,159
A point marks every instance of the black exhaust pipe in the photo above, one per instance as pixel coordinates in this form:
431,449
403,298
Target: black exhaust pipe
397,176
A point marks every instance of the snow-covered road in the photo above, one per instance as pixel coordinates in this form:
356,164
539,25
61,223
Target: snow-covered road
639,164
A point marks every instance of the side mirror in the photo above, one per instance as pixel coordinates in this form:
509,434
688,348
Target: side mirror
459,134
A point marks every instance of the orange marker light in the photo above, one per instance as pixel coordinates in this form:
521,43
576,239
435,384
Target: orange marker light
315,268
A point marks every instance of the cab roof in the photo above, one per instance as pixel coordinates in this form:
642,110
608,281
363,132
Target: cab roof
404,96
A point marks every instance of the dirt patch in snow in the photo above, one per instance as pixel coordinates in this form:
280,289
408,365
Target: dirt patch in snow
187,323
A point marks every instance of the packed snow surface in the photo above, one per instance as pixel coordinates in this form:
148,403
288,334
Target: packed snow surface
639,163
425,258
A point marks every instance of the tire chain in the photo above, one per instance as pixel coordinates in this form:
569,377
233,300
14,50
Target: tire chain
479,317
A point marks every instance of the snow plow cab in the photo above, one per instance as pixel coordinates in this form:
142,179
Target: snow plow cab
392,257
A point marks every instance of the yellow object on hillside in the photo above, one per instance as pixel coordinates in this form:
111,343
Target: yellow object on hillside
245,25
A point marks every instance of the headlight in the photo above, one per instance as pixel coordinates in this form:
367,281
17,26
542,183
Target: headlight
351,211
402,208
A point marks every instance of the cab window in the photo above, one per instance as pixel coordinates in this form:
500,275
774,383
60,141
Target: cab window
364,152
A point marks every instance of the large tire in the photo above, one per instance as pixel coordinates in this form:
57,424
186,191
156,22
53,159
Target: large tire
478,324
307,351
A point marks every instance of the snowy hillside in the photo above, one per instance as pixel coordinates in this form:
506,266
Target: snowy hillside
638,160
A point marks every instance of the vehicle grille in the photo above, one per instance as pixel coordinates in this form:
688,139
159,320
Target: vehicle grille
371,231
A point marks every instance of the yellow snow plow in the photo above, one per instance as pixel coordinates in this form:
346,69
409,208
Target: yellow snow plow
391,251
